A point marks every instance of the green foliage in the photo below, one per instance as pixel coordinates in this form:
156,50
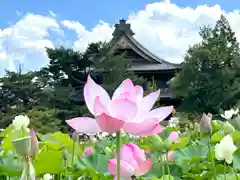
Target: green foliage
194,155
209,80
19,93
111,68
44,120
20,90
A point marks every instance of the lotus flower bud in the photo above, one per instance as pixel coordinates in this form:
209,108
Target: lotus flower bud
170,155
228,128
173,136
22,146
34,143
157,142
88,152
205,123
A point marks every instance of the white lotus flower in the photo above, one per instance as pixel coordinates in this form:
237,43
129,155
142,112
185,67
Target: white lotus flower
225,149
229,113
20,121
47,177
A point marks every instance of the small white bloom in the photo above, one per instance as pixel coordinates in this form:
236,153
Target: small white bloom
20,121
174,120
102,135
225,149
229,113
47,177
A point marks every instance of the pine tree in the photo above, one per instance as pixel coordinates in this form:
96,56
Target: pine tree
207,82
112,69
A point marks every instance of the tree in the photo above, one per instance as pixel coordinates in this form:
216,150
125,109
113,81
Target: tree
68,69
20,92
44,120
208,80
112,69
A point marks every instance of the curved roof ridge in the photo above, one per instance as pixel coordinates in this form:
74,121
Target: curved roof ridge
149,53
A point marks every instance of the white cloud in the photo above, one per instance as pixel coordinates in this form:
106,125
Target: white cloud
101,32
164,28
25,42
168,30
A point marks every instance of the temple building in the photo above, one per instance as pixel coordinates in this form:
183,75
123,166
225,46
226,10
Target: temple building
145,63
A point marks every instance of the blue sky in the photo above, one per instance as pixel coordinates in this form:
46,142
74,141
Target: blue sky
165,28
89,12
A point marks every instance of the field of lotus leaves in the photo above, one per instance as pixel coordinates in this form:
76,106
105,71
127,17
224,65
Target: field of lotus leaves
124,140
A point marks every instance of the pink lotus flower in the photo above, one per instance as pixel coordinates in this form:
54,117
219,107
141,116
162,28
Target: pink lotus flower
132,162
173,136
127,110
88,152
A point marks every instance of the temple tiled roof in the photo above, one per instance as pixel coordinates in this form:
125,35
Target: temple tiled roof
123,31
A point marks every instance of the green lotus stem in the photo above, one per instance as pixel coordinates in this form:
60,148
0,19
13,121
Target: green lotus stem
75,138
118,154
65,172
162,167
73,152
168,168
28,170
225,170
212,158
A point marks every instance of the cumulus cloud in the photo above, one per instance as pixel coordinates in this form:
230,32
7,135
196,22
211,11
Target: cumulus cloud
164,28
25,42
101,32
